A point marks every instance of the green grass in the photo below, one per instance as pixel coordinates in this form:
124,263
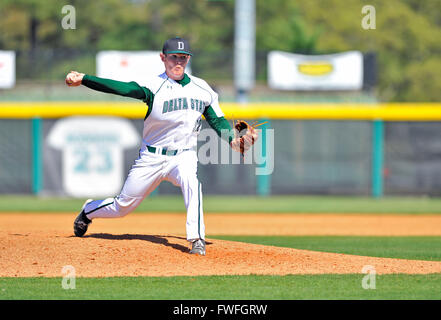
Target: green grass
243,204
252,287
334,287
413,248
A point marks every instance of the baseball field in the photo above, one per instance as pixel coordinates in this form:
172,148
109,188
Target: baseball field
257,248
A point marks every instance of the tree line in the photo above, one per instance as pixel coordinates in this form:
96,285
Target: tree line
406,38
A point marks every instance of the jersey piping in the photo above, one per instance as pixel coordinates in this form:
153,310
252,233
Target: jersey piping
150,105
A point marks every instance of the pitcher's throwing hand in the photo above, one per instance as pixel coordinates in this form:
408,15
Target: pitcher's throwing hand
73,79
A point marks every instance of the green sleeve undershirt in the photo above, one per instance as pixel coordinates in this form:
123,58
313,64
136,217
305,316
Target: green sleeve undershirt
126,89
219,124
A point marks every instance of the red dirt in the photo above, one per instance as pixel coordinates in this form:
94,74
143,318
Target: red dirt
40,245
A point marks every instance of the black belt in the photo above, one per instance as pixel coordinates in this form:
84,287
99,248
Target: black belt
164,151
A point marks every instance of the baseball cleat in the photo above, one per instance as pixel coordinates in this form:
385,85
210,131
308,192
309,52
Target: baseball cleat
198,247
81,223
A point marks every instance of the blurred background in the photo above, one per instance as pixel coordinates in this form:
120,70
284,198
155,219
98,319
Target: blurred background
239,47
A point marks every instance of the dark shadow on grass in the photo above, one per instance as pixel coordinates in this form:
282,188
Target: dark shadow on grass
150,238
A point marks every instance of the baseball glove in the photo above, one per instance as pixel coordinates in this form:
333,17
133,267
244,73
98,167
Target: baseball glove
245,135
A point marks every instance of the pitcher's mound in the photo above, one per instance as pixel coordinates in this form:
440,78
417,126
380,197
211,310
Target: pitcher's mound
44,254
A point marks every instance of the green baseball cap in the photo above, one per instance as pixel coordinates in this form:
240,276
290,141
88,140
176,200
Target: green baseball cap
176,45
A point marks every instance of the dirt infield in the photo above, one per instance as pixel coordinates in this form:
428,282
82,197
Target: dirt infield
39,245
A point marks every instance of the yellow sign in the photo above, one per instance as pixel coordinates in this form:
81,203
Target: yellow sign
316,68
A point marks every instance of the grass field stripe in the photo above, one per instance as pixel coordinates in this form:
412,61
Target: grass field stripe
286,204
259,287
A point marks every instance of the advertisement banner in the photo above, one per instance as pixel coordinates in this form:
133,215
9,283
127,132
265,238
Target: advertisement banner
130,65
341,71
7,69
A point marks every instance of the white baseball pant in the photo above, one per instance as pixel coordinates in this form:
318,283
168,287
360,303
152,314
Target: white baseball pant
148,171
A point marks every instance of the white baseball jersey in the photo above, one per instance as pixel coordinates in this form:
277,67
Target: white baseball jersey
173,119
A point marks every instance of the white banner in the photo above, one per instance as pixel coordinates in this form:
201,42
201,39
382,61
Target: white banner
7,69
341,71
129,65
92,149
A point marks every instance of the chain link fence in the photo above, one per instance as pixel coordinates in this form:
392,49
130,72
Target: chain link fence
310,157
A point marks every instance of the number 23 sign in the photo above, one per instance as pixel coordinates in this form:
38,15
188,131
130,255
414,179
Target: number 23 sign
92,153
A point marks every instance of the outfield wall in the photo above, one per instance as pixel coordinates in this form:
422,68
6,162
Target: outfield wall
353,149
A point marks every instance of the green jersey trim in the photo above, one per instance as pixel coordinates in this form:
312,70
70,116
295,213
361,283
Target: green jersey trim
151,98
199,210
219,124
149,101
184,81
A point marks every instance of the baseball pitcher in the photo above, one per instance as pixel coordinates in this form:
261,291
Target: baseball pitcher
175,104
